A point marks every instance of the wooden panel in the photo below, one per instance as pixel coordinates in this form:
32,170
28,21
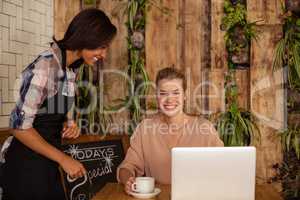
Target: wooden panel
264,11
181,39
64,11
267,97
161,41
217,91
242,80
218,49
161,37
191,51
115,65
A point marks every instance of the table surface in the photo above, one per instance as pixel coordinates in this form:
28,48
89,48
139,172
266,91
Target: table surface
114,191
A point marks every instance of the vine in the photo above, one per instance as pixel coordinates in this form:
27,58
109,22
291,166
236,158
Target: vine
236,126
138,88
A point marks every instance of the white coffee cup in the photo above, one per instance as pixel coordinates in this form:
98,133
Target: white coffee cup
143,185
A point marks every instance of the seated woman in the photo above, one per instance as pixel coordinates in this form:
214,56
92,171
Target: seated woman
150,146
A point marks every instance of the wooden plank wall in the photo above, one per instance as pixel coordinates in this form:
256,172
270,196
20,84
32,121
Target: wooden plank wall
64,11
218,59
186,40
266,88
181,39
116,63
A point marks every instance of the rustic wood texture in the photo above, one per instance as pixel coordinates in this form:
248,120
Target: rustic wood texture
115,65
264,11
161,41
190,39
161,37
181,39
64,11
242,78
267,100
218,47
114,191
216,91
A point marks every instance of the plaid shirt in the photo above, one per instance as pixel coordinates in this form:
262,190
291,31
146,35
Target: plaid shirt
39,81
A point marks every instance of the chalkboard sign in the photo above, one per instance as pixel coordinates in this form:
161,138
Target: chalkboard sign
100,159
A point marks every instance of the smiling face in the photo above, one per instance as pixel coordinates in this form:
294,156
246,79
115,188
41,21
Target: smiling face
170,96
91,56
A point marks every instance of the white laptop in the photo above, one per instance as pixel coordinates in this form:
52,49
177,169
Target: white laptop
213,173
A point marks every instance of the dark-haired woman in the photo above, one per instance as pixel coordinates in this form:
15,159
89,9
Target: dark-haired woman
39,120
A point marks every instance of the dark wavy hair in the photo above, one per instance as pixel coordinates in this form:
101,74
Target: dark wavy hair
89,29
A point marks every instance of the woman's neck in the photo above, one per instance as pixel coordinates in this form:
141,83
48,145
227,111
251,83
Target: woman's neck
71,56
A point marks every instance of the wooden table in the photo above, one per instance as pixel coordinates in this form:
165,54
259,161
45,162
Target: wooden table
114,191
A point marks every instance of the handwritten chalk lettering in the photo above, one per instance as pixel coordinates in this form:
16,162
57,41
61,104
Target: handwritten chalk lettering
100,160
77,186
98,172
91,153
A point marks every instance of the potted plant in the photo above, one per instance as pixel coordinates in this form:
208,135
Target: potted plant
236,126
293,6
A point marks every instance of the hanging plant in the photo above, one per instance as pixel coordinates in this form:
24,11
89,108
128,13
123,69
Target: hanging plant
291,140
287,52
236,126
239,33
136,11
138,88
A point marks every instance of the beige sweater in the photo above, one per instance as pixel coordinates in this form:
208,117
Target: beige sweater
150,145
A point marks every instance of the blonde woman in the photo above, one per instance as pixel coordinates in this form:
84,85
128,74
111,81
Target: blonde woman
150,146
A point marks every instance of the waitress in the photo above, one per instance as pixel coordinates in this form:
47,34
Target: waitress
39,120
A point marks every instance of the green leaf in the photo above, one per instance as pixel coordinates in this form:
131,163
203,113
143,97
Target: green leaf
298,22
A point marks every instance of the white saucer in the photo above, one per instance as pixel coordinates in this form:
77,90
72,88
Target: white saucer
147,195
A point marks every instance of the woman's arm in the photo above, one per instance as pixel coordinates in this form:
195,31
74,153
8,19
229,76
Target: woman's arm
31,138
133,165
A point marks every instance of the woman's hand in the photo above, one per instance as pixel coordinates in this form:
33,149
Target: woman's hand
70,130
128,185
72,167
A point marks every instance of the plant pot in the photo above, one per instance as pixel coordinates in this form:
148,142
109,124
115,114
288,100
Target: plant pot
234,2
138,40
241,57
240,36
293,6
